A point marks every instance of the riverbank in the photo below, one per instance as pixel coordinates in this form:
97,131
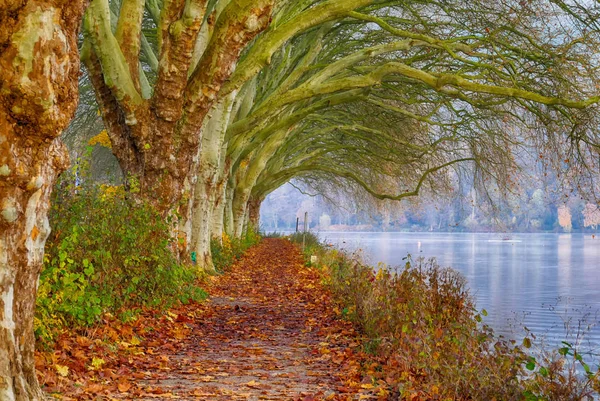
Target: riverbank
523,280
422,328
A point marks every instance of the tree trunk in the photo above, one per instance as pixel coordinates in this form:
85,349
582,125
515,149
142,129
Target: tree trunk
201,219
228,220
24,229
246,225
205,192
254,213
239,207
39,68
217,225
247,175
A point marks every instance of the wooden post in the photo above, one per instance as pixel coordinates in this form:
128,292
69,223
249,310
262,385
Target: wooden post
305,221
304,235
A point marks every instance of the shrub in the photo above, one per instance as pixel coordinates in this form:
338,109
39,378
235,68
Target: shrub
421,325
107,253
228,250
272,234
310,241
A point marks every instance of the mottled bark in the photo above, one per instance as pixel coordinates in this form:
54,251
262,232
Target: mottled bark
39,68
239,198
178,35
238,209
228,220
206,189
161,136
254,213
217,225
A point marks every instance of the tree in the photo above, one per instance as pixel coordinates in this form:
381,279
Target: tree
156,99
564,218
156,134
458,76
483,114
591,215
39,69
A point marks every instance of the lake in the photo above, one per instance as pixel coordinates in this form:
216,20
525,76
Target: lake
535,280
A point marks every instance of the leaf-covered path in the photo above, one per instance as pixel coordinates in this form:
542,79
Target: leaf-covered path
268,332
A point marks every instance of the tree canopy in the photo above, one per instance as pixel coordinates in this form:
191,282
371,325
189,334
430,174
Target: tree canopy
211,105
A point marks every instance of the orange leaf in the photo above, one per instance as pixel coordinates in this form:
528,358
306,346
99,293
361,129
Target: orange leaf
124,387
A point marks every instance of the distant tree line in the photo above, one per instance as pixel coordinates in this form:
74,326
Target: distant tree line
534,210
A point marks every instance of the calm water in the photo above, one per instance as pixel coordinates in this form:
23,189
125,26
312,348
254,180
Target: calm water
533,280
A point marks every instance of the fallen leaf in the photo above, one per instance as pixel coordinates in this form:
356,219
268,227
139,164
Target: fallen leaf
253,384
124,387
62,370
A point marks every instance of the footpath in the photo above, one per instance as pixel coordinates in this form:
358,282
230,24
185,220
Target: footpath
269,331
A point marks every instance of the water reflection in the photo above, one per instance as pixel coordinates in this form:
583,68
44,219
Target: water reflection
543,277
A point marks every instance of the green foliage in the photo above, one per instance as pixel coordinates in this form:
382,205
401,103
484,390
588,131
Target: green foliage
229,250
420,321
273,234
561,374
108,252
310,241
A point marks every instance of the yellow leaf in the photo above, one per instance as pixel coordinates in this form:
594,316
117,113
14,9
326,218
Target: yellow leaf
367,386
62,370
135,341
97,363
253,383
101,139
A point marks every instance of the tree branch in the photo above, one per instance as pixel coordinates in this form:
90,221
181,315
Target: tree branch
262,51
115,68
128,35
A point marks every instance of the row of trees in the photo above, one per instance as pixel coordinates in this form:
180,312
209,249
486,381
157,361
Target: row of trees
533,209
212,104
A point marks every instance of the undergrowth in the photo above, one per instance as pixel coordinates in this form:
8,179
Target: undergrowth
421,325
107,253
227,251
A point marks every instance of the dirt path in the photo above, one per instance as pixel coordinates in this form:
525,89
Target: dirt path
268,332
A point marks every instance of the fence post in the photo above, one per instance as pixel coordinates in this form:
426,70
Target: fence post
304,235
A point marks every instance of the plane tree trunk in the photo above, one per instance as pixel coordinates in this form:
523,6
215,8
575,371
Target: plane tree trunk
217,224
206,191
39,68
248,173
228,218
254,213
